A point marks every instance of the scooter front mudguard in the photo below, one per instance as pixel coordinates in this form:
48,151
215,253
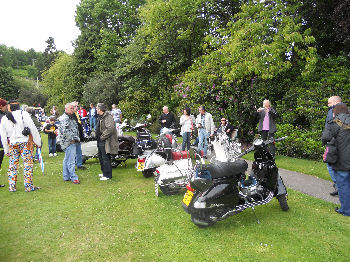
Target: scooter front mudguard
280,188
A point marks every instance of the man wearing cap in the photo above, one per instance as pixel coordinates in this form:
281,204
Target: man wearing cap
3,105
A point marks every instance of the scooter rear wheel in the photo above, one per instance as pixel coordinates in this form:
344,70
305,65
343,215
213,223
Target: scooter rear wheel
148,173
201,223
167,191
282,199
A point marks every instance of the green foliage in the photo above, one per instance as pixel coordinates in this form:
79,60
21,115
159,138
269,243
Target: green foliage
101,89
29,93
8,88
300,143
57,82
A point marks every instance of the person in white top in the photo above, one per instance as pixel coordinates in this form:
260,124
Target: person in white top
187,122
18,133
206,128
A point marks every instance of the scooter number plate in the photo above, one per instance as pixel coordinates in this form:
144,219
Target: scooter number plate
188,197
140,166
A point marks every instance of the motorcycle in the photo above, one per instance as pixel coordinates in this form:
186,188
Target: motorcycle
87,132
220,189
149,160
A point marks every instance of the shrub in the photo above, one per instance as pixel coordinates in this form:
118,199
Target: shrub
300,143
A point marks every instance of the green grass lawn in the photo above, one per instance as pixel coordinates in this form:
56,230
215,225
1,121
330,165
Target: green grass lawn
122,220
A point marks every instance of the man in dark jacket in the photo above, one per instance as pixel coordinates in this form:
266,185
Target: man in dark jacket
167,119
267,125
3,105
339,128
107,140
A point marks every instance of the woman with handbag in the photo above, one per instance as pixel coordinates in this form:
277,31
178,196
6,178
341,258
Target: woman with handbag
338,130
15,129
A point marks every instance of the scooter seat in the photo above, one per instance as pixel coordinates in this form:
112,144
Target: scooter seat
180,155
126,138
227,169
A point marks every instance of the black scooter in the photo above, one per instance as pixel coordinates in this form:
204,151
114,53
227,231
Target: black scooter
220,189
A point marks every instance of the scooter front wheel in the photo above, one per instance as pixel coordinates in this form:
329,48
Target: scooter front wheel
282,199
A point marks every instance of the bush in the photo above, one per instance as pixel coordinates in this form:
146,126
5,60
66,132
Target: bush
300,143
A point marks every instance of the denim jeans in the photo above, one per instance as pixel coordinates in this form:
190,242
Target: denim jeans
343,185
186,143
52,145
93,122
69,163
79,155
203,140
332,174
105,159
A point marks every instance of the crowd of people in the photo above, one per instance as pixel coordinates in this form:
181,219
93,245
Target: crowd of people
20,135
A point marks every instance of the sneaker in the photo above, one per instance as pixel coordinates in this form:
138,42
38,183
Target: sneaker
100,175
54,154
50,155
76,182
104,178
335,193
82,167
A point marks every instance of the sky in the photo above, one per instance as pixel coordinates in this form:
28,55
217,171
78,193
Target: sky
26,24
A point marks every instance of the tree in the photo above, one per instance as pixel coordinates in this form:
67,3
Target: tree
57,81
50,53
102,89
263,41
8,88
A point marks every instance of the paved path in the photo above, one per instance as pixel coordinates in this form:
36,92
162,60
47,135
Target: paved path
310,185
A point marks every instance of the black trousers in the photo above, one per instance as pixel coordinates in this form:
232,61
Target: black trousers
105,159
265,135
1,156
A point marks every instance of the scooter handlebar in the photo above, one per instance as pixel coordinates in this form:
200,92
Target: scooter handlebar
267,142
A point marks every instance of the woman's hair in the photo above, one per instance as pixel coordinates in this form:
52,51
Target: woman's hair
340,109
14,105
30,111
188,110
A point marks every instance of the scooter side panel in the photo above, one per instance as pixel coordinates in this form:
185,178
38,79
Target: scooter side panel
220,194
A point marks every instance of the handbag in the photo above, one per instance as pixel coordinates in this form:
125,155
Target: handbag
330,154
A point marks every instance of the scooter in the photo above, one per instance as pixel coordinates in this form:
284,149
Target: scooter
220,189
144,139
127,149
224,149
150,159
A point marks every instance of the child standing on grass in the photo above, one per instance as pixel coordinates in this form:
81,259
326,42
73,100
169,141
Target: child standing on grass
51,130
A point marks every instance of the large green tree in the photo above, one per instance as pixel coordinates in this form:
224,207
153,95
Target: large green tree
263,41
